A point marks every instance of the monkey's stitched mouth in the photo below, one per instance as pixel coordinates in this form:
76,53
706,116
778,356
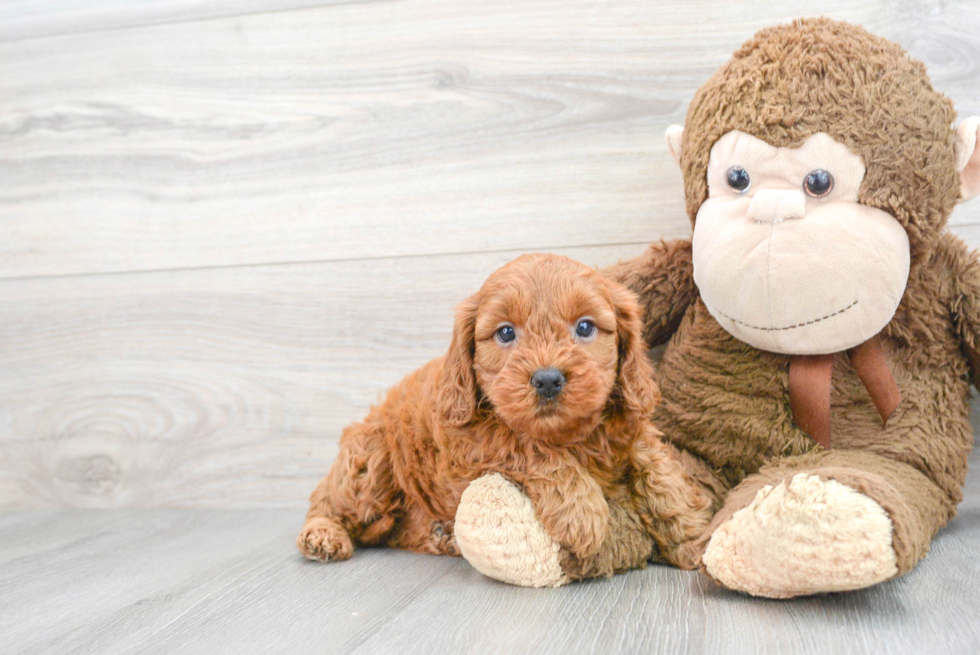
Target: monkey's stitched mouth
788,327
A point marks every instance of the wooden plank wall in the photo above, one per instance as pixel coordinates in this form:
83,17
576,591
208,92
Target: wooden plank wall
225,226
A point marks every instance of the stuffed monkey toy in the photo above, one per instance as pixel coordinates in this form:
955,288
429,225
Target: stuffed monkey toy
822,327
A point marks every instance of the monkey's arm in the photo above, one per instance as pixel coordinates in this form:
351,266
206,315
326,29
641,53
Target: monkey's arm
965,303
663,278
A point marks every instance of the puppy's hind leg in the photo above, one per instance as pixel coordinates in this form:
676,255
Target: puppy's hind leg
357,502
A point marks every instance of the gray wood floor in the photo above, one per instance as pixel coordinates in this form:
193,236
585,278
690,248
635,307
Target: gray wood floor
230,581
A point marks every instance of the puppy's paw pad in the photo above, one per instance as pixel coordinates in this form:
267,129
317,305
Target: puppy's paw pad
442,540
324,540
499,533
805,537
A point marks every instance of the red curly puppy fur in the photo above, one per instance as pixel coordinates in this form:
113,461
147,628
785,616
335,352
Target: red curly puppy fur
569,437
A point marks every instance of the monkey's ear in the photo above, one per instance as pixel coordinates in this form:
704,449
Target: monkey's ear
968,157
456,400
635,386
675,135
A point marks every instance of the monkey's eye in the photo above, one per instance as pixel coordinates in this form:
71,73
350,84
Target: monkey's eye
585,328
738,179
818,183
506,333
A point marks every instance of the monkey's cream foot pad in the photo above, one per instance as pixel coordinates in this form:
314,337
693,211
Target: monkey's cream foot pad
806,537
499,533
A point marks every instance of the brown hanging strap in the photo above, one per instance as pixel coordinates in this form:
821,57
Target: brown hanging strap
872,367
809,395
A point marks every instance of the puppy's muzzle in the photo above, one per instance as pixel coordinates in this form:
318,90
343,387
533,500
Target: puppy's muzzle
548,382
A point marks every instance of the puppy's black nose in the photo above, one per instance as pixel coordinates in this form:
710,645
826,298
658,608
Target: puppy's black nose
548,382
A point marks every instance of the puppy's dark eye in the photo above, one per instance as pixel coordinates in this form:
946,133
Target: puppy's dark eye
585,328
506,333
738,179
818,183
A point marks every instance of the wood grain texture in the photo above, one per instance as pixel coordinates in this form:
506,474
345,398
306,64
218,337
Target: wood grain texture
32,19
222,236
379,129
230,581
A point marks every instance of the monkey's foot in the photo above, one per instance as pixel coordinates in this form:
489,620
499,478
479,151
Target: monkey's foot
499,533
803,537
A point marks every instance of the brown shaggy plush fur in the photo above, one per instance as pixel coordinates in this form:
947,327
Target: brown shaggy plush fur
398,478
725,404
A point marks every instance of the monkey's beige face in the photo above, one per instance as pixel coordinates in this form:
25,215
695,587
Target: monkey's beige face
785,257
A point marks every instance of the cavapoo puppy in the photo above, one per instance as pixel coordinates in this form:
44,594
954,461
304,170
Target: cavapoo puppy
547,382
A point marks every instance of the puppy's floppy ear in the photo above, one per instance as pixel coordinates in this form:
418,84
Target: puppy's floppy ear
456,401
637,391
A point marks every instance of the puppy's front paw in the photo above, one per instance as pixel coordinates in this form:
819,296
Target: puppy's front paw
685,555
580,531
324,539
499,534
801,537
